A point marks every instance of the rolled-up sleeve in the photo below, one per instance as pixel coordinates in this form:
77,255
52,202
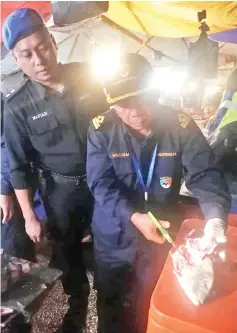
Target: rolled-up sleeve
18,148
109,193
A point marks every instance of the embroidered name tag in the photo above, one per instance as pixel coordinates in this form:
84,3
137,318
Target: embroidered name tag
84,97
40,115
167,154
114,155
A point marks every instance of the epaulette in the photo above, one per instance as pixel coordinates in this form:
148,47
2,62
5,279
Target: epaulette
184,119
101,119
97,121
14,91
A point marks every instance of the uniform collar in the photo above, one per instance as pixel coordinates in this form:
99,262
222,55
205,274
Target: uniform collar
41,90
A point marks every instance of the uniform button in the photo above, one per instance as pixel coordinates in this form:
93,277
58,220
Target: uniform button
139,252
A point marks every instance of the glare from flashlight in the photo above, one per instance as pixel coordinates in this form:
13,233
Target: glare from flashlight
192,86
106,62
211,90
168,80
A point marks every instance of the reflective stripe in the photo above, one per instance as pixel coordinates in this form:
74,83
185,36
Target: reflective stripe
231,112
229,105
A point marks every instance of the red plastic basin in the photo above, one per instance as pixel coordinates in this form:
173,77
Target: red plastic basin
172,312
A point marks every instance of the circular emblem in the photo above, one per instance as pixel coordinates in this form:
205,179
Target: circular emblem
165,182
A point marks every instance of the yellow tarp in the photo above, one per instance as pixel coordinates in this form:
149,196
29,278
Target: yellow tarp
173,19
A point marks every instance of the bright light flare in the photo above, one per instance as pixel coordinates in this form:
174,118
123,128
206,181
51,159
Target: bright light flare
211,90
106,62
192,86
168,80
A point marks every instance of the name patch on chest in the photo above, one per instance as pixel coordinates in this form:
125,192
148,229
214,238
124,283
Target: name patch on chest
115,155
81,98
40,115
167,154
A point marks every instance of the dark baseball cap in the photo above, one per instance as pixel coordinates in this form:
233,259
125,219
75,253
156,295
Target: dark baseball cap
131,80
20,24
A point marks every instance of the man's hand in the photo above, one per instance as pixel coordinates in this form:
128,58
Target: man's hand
33,229
32,224
145,225
8,207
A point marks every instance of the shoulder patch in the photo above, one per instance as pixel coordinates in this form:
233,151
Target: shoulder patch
97,121
12,92
9,93
184,119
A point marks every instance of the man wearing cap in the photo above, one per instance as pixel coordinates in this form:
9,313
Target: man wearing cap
140,149
46,123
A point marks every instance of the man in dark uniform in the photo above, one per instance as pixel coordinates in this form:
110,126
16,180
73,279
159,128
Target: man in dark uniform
140,149
46,123
14,240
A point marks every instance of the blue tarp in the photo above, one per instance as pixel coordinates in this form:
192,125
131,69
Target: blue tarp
229,36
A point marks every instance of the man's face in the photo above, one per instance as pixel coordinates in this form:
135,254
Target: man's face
134,112
210,110
37,56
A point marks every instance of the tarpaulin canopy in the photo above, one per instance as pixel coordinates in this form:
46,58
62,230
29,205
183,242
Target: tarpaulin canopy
173,19
77,45
156,18
229,36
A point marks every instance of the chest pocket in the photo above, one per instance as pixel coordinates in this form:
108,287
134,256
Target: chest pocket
168,166
44,124
122,163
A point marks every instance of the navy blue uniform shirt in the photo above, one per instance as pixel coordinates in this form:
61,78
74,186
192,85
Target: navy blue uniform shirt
50,128
113,181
